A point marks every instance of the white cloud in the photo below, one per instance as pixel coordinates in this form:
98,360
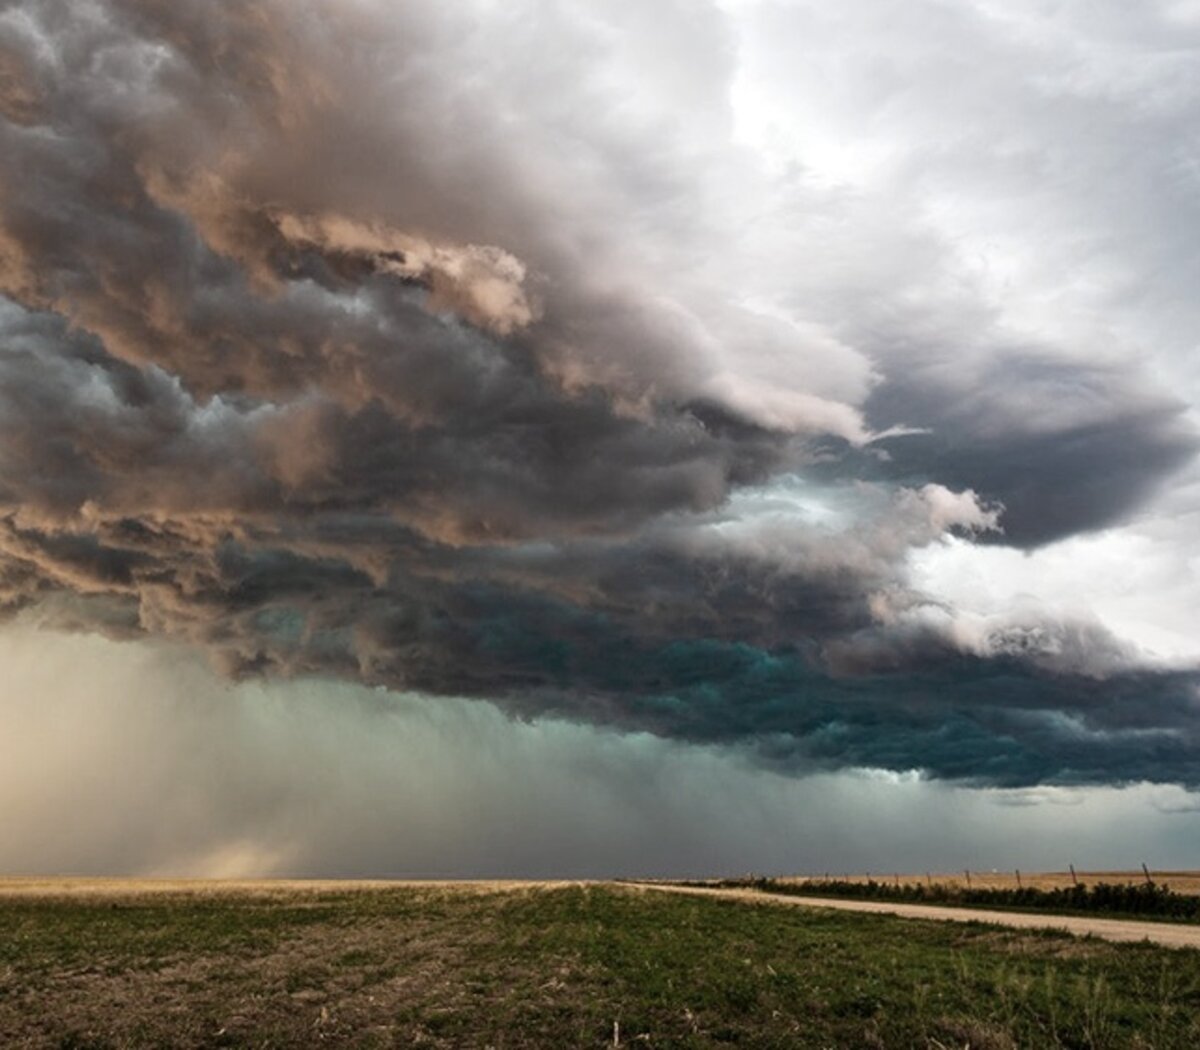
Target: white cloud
1143,589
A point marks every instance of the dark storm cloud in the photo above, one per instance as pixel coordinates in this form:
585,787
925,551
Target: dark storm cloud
338,343
1065,447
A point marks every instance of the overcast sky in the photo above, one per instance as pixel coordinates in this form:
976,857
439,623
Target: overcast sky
592,438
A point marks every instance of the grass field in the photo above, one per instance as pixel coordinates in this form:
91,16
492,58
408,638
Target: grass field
87,965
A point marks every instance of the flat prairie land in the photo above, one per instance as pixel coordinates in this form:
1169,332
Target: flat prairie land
1178,881
100,965
127,889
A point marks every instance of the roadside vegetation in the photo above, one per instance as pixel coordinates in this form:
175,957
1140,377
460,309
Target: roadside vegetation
1148,900
573,966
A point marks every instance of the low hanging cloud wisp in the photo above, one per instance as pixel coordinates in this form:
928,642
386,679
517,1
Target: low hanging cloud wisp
344,340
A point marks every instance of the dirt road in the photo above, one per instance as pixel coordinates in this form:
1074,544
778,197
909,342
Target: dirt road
1172,935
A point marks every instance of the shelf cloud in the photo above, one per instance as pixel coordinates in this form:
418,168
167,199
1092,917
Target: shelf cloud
598,362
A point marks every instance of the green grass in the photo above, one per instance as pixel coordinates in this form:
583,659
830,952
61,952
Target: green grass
557,968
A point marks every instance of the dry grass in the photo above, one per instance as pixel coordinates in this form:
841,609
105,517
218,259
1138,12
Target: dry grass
88,887
81,887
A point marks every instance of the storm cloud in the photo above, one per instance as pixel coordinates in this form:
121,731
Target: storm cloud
502,352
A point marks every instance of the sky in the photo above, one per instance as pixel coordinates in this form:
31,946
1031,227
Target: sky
546,438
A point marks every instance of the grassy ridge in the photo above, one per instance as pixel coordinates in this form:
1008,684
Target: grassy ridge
561,968
1118,900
